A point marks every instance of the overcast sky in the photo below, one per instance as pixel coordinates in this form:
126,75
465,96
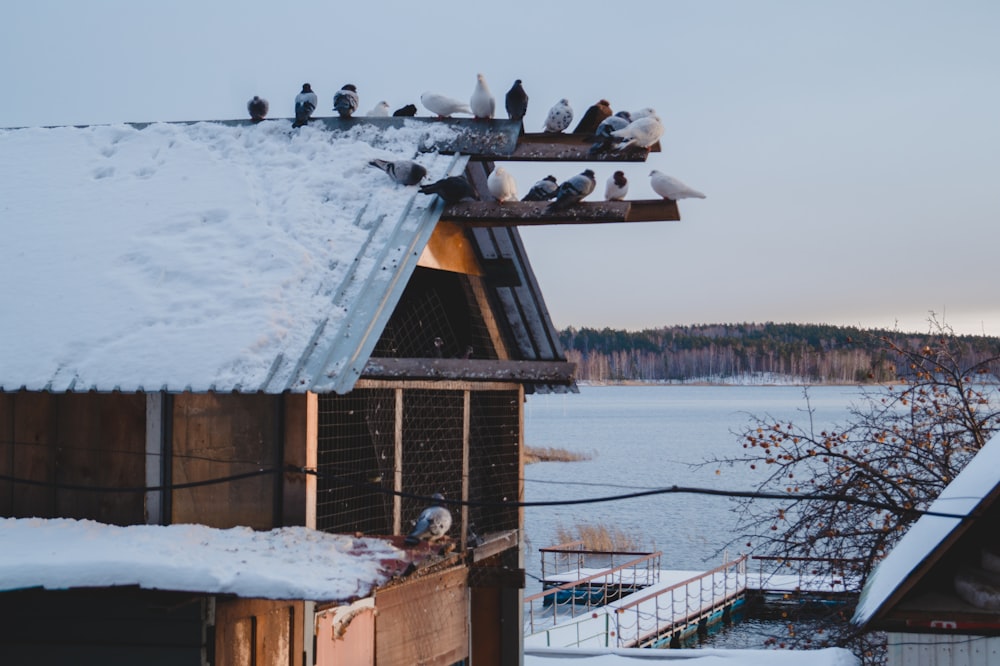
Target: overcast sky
850,150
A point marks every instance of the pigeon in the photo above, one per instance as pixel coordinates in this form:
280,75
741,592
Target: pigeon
432,525
501,185
643,113
451,189
380,110
405,111
542,190
616,187
482,102
593,116
404,172
438,348
560,116
573,190
305,104
257,108
516,101
610,124
670,188
643,133
345,101
443,106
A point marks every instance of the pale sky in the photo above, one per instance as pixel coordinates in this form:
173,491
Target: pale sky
850,151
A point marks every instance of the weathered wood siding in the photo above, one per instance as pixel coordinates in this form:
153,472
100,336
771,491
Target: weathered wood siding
221,435
258,632
70,445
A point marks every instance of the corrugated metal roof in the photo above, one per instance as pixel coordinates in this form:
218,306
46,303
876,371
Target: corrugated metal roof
175,186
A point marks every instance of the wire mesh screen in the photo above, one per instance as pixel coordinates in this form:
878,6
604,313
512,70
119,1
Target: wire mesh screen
437,316
494,468
432,451
356,444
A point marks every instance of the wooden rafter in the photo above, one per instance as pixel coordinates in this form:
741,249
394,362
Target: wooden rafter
528,213
532,372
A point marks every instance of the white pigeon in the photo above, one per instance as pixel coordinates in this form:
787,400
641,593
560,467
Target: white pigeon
573,190
501,185
616,187
560,116
643,113
380,110
443,106
432,524
643,133
669,187
482,102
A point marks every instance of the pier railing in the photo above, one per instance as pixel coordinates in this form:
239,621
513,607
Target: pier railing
572,557
578,596
660,613
837,575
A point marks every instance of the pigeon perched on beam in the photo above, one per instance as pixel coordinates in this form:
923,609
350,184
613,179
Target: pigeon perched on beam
603,134
345,101
432,525
573,190
516,101
405,111
482,102
593,116
380,110
305,104
542,190
451,189
257,108
617,187
559,118
670,188
501,185
404,172
643,133
443,106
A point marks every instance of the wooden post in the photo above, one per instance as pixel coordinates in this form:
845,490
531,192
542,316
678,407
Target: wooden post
397,477
466,427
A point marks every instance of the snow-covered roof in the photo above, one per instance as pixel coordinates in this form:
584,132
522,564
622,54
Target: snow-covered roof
928,534
286,563
206,256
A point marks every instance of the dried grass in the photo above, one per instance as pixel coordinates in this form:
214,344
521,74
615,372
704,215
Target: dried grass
533,454
599,537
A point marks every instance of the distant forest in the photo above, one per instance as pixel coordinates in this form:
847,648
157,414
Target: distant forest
731,352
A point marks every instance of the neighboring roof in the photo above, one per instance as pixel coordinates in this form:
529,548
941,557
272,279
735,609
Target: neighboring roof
286,563
970,494
209,256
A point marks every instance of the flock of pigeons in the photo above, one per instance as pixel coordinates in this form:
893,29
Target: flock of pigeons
609,130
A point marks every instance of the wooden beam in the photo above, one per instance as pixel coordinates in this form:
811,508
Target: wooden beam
551,147
536,372
494,543
532,213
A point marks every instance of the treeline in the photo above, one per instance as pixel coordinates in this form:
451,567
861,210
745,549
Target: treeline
812,353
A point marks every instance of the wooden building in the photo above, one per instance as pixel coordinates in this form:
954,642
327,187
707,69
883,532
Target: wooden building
409,378
936,595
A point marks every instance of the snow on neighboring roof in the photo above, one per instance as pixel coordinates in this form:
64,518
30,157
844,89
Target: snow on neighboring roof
690,657
959,498
201,255
286,563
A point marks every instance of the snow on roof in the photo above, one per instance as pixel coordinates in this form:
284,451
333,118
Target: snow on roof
201,255
959,498
286,563
690,657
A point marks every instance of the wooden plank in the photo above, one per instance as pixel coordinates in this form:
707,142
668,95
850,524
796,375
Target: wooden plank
494,544
7,445
365,383
34,454
551,147
300,450
545,372
259,631
534,213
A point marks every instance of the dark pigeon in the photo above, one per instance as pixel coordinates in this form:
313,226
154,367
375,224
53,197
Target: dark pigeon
593,117
516,101
305,104
542,190
573,190
406,111
345,101
257,107
451,189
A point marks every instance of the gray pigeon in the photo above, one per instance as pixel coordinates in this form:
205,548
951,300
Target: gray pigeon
305,104
610,124
451,189
404,172
516,101
432,525
573,190
345,101
257,107
542,190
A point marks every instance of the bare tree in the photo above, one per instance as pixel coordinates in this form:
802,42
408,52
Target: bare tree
853,490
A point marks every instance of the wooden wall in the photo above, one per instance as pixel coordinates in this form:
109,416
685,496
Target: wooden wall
59,440
259,632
